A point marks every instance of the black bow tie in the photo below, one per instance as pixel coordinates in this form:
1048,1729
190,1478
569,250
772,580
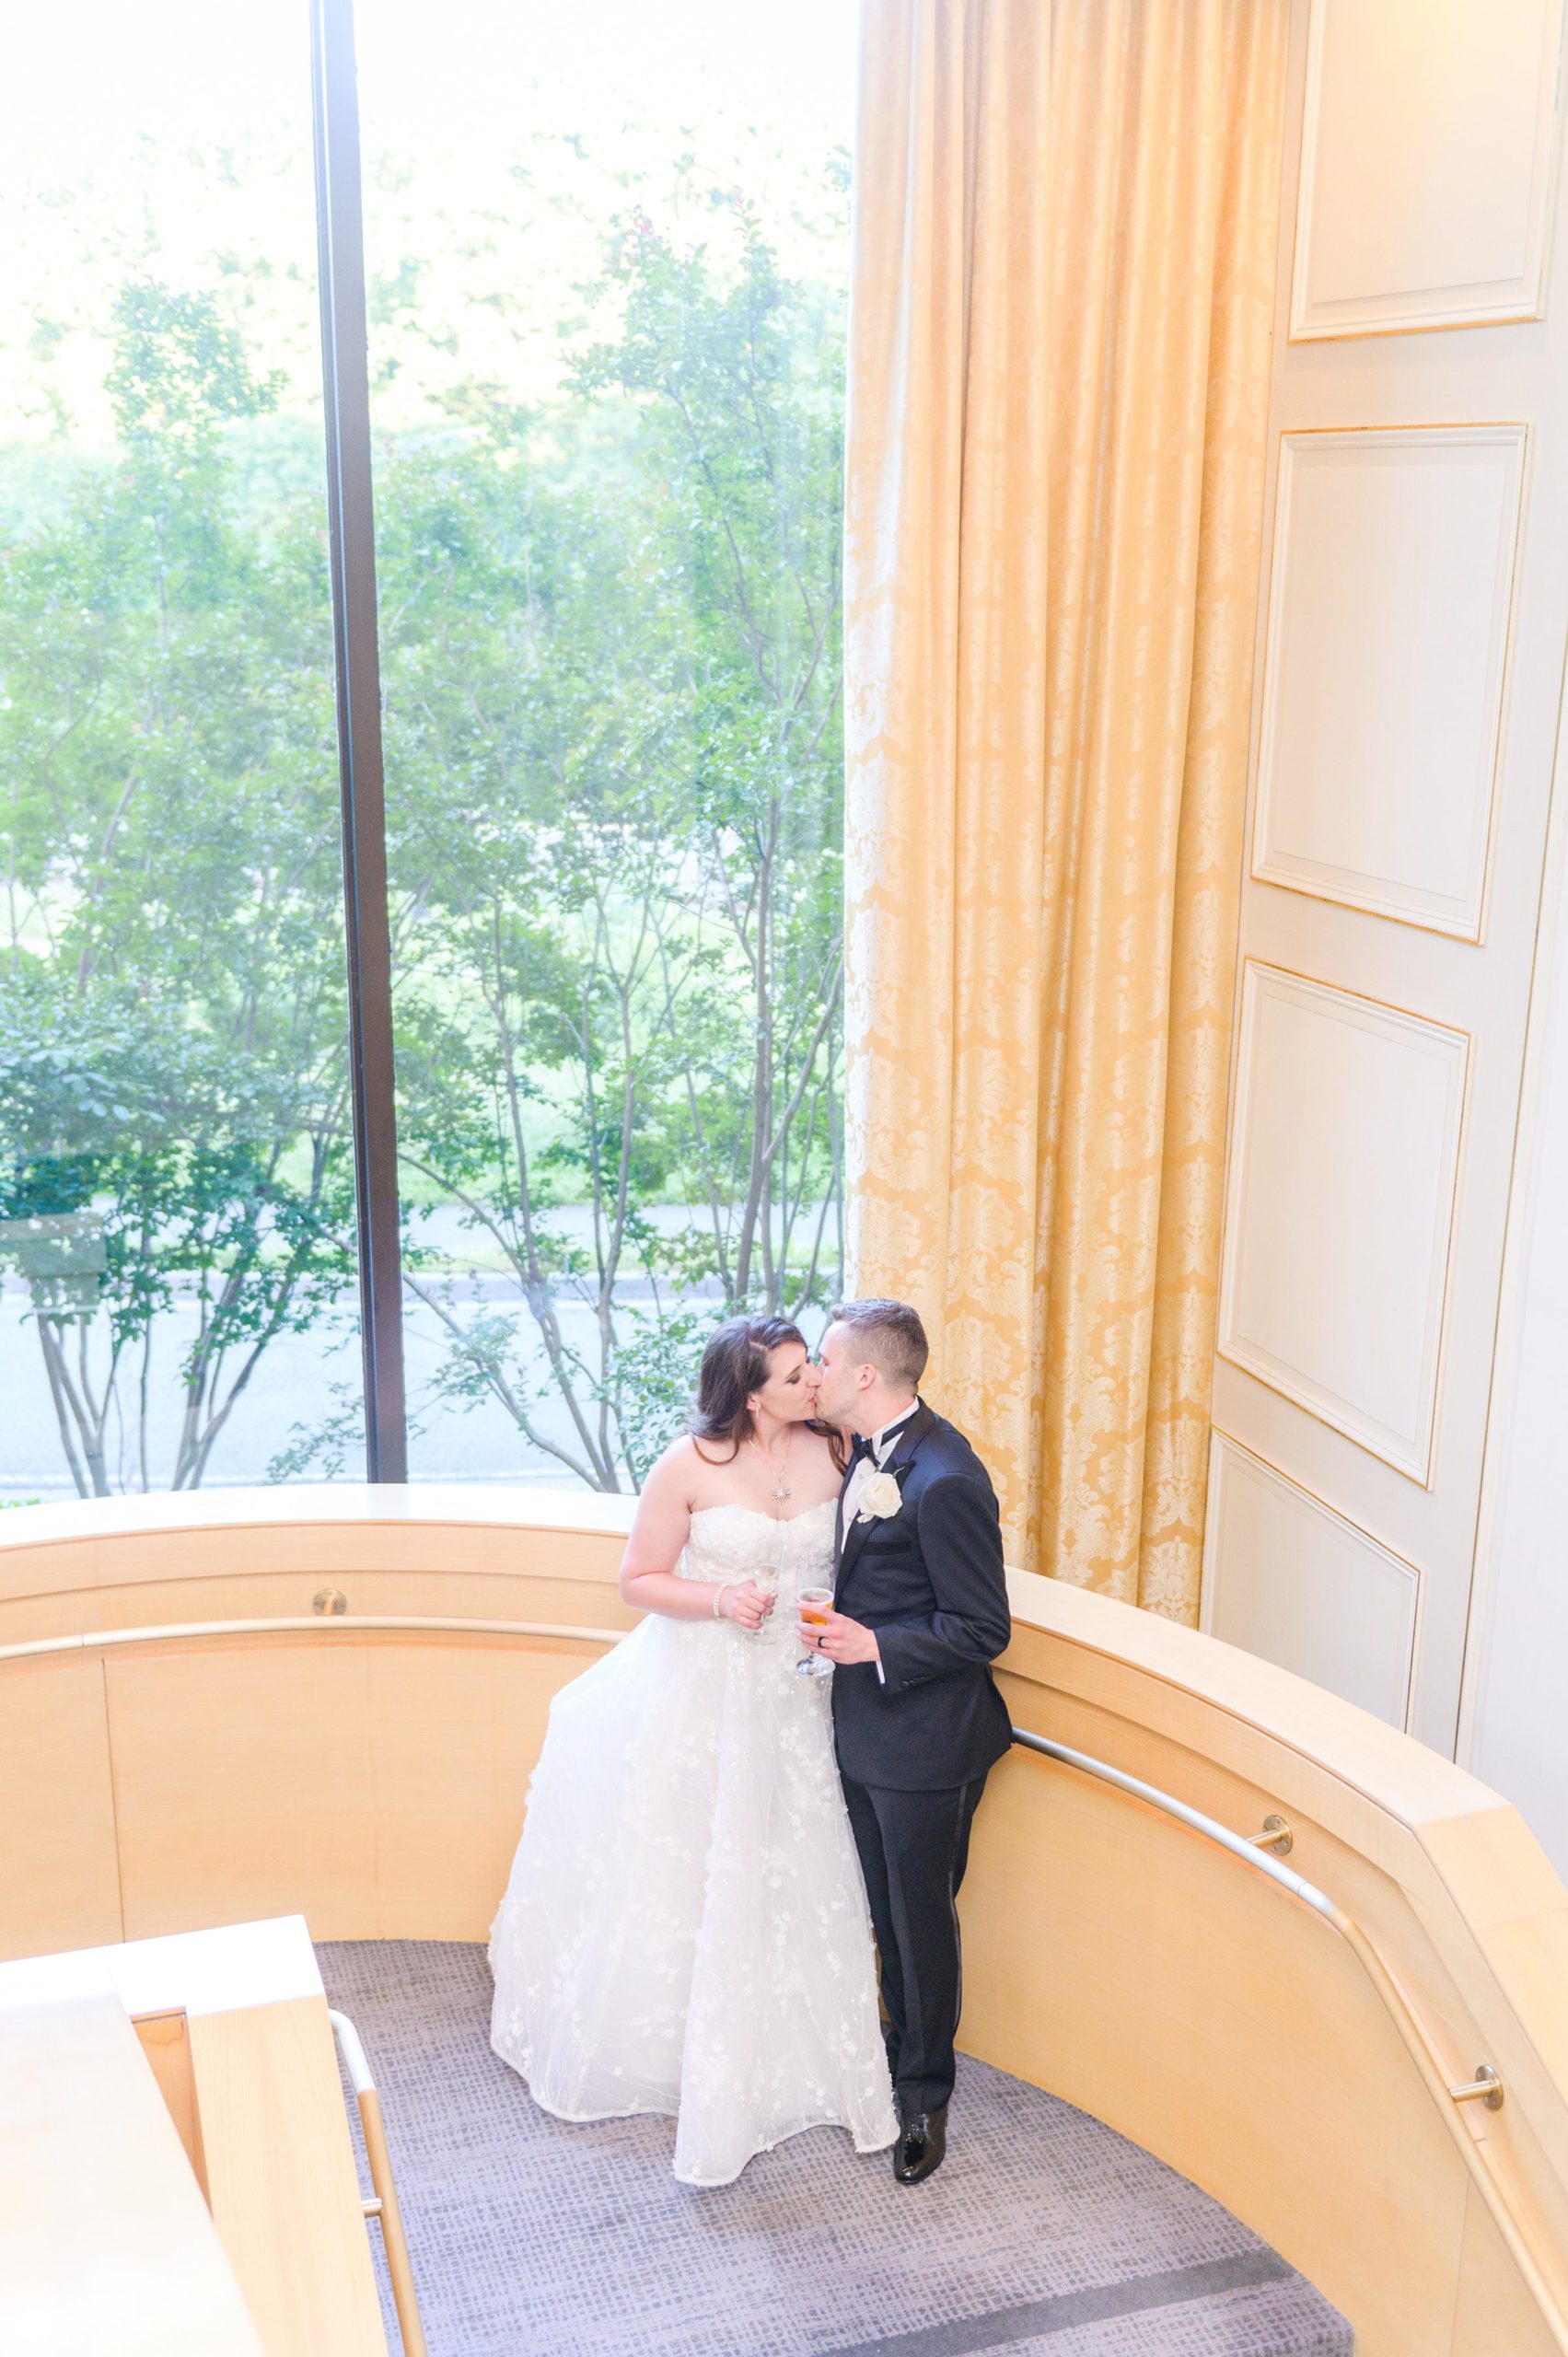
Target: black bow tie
861,1446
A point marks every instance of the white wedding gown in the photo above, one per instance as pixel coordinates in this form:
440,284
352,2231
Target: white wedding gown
685,1930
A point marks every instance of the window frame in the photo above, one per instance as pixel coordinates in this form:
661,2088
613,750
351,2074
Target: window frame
334,103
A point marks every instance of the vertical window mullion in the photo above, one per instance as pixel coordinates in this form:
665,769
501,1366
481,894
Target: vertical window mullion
351,525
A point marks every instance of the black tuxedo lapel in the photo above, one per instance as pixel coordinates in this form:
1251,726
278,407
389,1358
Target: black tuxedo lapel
853,1540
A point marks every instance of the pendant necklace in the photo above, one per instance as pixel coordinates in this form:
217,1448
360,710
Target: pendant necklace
780,1487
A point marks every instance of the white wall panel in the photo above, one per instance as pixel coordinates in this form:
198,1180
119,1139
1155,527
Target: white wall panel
1286,1577
1388,634
1426,164
1343,1156
1407,689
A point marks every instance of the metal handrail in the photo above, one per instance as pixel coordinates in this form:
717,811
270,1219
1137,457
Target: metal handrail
384,2208
1486,2087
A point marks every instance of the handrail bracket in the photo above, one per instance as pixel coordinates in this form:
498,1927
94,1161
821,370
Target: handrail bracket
1485,2087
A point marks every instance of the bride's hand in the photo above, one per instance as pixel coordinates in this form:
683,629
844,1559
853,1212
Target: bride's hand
746,1604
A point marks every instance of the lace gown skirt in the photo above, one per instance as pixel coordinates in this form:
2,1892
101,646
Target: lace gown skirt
685,1930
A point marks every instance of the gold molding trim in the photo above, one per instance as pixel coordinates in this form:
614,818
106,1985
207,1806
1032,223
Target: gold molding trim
1529,305
1420,1472
1258,871
1416,1571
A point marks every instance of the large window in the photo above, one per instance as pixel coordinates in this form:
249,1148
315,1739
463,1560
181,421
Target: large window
177,1213
603,256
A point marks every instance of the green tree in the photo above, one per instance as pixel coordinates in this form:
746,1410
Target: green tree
609,646
172,1064
611,669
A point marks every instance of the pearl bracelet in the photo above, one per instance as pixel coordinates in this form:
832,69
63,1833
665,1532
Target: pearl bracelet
719,1593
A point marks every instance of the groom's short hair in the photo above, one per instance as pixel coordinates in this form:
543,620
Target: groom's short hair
889,1334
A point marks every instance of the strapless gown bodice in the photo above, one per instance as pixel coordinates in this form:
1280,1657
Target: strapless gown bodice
685,1930
734,1542
729,1542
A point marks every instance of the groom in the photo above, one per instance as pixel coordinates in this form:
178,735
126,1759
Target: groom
920,1614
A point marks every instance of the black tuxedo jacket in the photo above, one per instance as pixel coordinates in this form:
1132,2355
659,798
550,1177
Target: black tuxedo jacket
929,1580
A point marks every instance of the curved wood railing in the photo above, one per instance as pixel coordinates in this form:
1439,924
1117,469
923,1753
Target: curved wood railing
222,1750
429,1624
1486,2087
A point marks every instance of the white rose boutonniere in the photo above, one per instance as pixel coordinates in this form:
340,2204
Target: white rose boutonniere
879,1499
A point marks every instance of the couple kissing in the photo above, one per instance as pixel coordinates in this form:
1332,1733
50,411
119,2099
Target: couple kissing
782,1760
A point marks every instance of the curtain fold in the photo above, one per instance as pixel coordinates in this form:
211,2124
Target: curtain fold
1063,253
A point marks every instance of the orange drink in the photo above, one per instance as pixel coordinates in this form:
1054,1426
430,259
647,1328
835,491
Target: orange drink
814,1606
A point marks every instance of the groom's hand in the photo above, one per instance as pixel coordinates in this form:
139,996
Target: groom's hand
845,1641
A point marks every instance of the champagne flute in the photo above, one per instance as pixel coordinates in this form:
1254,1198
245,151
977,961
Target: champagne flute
814,1605
767,1579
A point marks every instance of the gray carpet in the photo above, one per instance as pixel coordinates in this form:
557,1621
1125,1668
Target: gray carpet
1044,2231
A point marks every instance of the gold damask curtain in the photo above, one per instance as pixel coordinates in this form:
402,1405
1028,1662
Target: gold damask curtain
1064,261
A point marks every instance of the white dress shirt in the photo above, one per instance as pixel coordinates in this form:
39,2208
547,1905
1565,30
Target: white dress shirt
882,1441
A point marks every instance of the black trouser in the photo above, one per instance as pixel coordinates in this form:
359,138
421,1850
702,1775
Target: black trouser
914,1849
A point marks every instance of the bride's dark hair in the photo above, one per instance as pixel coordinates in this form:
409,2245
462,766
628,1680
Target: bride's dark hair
735,1365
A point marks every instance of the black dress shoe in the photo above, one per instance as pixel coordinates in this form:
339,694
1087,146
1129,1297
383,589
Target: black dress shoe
922,2139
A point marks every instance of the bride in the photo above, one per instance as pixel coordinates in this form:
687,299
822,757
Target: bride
685,1930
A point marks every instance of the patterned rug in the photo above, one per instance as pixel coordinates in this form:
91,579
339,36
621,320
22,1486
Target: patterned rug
1044,2232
